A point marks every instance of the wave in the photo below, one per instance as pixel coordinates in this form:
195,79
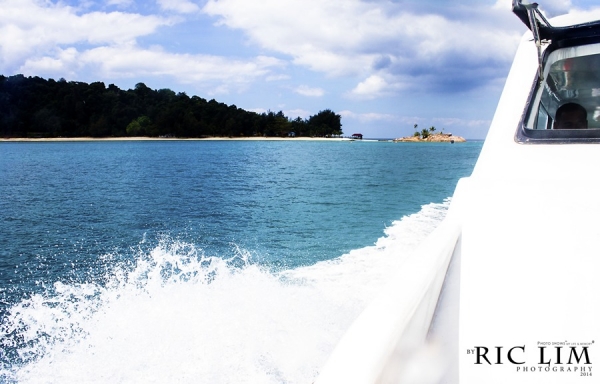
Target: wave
177,315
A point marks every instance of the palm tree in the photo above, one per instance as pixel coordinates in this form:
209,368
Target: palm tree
417,133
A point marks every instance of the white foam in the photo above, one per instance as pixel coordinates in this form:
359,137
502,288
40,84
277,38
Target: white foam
177,316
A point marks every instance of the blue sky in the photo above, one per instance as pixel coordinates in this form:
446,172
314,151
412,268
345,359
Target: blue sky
382,65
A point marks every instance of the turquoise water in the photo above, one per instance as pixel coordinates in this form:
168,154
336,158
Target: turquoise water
203,261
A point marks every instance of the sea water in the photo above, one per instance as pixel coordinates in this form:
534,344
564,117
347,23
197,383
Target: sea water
203,261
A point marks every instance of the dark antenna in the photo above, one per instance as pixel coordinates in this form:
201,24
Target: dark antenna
533,21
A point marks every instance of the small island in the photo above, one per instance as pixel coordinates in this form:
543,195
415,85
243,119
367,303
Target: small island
429,136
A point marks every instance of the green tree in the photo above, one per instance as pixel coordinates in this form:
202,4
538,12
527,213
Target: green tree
34,106
417,133
139,126
325,123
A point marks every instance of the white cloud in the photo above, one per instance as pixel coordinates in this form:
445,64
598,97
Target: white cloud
257,110
370,88
213,73
319,35
41,38
278,77
452,122
120,3
555,7
180,6
385,44
380,45
406,122
368,117
305,90
30,29
65,62
549,7
294,113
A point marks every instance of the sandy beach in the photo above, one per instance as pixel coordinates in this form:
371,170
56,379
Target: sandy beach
50,139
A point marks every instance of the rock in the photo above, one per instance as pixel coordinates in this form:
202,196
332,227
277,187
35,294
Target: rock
433,138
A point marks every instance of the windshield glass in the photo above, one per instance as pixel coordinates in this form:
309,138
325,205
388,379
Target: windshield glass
569,95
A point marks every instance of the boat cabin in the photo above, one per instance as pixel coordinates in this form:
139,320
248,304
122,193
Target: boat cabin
567,80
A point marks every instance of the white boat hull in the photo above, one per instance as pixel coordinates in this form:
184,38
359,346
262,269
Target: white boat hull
519,301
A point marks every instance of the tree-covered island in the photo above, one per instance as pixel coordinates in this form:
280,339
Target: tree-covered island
429,135
39,108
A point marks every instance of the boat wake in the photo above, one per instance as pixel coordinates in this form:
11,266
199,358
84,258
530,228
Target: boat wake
175,314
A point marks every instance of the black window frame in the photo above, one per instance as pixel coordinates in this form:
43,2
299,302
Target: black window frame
558,37
526,135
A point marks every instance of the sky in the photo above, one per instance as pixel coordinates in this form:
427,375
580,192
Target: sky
383,65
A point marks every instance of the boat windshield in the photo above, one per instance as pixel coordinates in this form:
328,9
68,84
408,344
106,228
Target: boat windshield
571,87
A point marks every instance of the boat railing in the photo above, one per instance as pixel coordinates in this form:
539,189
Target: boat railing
378,345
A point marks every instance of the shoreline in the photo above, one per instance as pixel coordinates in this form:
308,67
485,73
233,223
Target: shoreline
432,138
409,139
144,138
